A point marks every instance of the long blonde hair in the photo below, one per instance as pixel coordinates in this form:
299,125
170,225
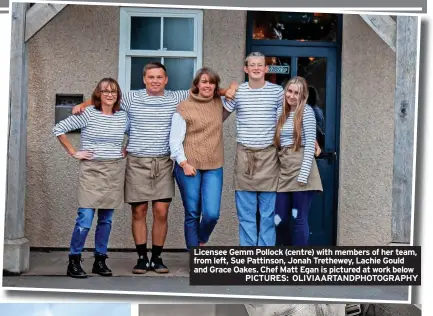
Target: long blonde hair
299,113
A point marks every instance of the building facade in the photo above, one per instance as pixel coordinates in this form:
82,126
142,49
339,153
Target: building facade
350,66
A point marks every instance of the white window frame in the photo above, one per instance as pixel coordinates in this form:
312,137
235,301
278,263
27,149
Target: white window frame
125,53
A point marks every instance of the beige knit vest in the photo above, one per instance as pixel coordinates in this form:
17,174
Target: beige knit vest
203,144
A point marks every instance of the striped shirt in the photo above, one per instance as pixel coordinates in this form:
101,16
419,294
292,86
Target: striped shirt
150,118
101,134
257,112
308,138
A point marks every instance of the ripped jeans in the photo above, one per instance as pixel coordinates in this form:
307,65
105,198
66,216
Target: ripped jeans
291,217
83,224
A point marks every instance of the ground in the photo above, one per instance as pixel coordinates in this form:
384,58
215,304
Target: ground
48,271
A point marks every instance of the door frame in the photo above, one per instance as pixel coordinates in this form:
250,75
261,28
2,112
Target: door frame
337,45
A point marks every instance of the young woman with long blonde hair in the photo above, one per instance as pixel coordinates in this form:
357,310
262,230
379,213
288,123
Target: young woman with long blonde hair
299,177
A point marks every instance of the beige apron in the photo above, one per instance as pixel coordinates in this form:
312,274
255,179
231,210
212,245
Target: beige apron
148,179
290,167
101,183
256,170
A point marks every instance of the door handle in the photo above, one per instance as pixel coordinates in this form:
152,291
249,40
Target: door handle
328,155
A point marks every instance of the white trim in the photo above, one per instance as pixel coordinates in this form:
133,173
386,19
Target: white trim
124,23
127,74
158,53
158,12
161,36
125,53
199,40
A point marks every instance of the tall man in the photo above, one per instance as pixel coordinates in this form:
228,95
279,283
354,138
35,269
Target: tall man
149,168
258,104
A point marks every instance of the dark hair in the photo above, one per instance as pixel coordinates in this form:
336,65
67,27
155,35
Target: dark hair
96,95
213,78
154,65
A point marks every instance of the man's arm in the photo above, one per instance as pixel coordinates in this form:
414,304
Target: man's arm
79,108
230,92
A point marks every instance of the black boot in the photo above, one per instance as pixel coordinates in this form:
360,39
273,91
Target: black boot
74,267
99,266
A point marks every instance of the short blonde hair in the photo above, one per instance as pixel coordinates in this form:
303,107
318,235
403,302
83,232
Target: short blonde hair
254,55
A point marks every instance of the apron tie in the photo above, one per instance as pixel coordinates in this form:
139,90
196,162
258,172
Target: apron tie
154,170
251,163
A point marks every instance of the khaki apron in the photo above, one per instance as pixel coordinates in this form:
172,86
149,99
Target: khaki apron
101,183
256,170
148,179
290,167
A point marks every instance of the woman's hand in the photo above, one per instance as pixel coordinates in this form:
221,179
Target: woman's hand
318,151
82,155
188,169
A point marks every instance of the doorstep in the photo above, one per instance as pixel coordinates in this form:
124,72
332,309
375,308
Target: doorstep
121,263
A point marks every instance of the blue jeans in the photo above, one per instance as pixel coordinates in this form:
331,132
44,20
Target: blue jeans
246,204
291,217
84,223
201,196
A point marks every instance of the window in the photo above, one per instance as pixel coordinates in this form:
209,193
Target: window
170,36
303,27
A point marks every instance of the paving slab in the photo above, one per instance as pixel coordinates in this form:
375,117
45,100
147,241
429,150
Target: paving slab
48,272
121,263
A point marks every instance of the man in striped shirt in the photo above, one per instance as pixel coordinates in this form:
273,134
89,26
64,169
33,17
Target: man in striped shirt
149,174
258,104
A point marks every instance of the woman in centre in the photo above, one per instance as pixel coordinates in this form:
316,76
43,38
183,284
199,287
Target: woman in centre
299,178
196,145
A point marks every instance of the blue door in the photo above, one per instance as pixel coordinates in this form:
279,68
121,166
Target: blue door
319,64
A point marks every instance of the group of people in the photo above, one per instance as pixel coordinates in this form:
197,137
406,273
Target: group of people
178,136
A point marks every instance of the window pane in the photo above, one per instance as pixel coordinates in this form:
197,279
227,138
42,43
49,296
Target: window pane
179,34
279,70
145,33
180,73
313,69
137,65
294,26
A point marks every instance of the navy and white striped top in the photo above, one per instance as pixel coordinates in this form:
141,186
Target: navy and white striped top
101,134
257,112
308,138
150,118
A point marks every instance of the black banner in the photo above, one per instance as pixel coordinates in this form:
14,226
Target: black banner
389,265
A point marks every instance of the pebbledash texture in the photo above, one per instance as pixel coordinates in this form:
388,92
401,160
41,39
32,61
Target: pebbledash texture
295,309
